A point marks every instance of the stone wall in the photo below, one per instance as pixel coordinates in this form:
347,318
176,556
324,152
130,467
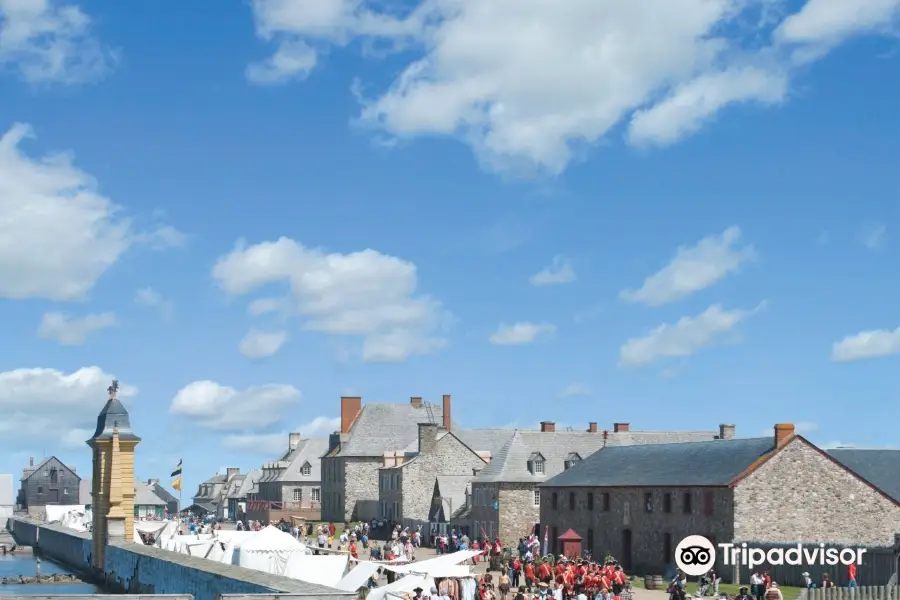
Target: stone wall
138,569
360,483
518,513
801,495
654,535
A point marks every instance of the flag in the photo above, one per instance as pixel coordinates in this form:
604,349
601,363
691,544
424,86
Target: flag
546,539
177,471
176,484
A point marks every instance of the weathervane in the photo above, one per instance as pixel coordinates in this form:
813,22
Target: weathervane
113,389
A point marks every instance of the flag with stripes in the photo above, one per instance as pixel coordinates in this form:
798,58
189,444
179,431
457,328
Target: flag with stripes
177,471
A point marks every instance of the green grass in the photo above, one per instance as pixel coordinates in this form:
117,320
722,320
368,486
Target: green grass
789,593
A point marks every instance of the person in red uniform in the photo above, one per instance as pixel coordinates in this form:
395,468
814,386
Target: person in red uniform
618,581
545,573
353,551
767,579
529,576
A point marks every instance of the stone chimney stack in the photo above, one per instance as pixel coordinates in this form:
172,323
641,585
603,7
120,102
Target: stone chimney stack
548,426
621,427
351,406
427,437
446,410
783,433
592,427
726,432
415,401
231,472
294,440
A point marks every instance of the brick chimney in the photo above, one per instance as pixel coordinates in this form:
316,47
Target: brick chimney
427,437
592,427
294,440
351,406
620,427
548,426
415,401
726,432
231,472
783,433
447,420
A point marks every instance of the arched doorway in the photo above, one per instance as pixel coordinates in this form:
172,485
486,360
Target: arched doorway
625,559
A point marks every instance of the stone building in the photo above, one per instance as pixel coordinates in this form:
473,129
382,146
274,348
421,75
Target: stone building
506,498
112,448
414,484
370,437
172,504
292,484
212,494
638,502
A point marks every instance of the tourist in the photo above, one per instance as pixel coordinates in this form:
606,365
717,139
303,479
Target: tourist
773,593
851,575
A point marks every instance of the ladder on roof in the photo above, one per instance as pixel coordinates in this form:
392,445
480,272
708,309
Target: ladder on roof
430,413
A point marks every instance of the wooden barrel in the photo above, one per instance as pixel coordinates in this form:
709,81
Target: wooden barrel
648,582
658,583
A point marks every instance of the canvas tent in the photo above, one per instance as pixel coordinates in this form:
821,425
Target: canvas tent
324,569
269,551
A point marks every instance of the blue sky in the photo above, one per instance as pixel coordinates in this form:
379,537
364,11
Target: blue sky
594,212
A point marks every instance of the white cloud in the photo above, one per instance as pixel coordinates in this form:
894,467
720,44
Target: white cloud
262,306
684,338
574,389
58,235
73,332
260,344
366,294
692,269
866,344
533,84
52,406
277,443
50,41
150,298
519,334
559,271
874,236
224,408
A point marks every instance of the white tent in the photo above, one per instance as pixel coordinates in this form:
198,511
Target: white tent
434,564
404,584
358,576
269,550
324,569
158,529
55,512
234,537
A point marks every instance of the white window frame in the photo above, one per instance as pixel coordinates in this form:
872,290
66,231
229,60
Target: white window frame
537,496
316,495
298,495
538,466
306,470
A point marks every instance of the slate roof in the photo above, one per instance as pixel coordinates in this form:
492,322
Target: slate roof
510,463
144,496
217,478
453,489
234,486
162,492
112,415
381,428
308,451
249,484
879,467
699,463
477,440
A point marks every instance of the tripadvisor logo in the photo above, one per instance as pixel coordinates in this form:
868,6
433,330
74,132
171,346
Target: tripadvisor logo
695,555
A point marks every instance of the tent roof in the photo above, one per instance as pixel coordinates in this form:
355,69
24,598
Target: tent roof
271,538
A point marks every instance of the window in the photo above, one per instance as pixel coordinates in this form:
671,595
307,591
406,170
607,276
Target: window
54,476
667,503
709,503
590,541
298,495
553,500
571,500
571,460
590,504
648,502
606,502
40,490
554,541
539,466
687,506
305,470
315,494
537,497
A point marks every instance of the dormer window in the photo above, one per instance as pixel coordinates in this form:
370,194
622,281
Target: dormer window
306,469
571,460
536,464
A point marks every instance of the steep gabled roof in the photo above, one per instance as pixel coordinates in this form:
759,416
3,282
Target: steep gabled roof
879,467
381,428
307,452
39,466
144,496
249,483
510,464
704,463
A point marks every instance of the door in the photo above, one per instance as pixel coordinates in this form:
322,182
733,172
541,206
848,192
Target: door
53,497
626,550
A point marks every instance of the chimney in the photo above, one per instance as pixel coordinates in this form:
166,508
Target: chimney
294,440
620,427
153,482
351,406
783,433
548,426
31,461
726,432
415,401
592,427
447,420
427,437
231,472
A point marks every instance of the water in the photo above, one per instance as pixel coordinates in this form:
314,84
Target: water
13,565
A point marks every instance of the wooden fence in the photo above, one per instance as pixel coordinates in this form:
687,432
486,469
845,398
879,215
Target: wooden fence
877,568
872,592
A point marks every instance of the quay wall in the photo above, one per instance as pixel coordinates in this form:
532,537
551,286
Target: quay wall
137,569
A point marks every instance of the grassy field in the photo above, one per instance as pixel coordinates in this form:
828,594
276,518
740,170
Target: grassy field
789,593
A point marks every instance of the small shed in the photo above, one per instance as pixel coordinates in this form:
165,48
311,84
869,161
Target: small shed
571,544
